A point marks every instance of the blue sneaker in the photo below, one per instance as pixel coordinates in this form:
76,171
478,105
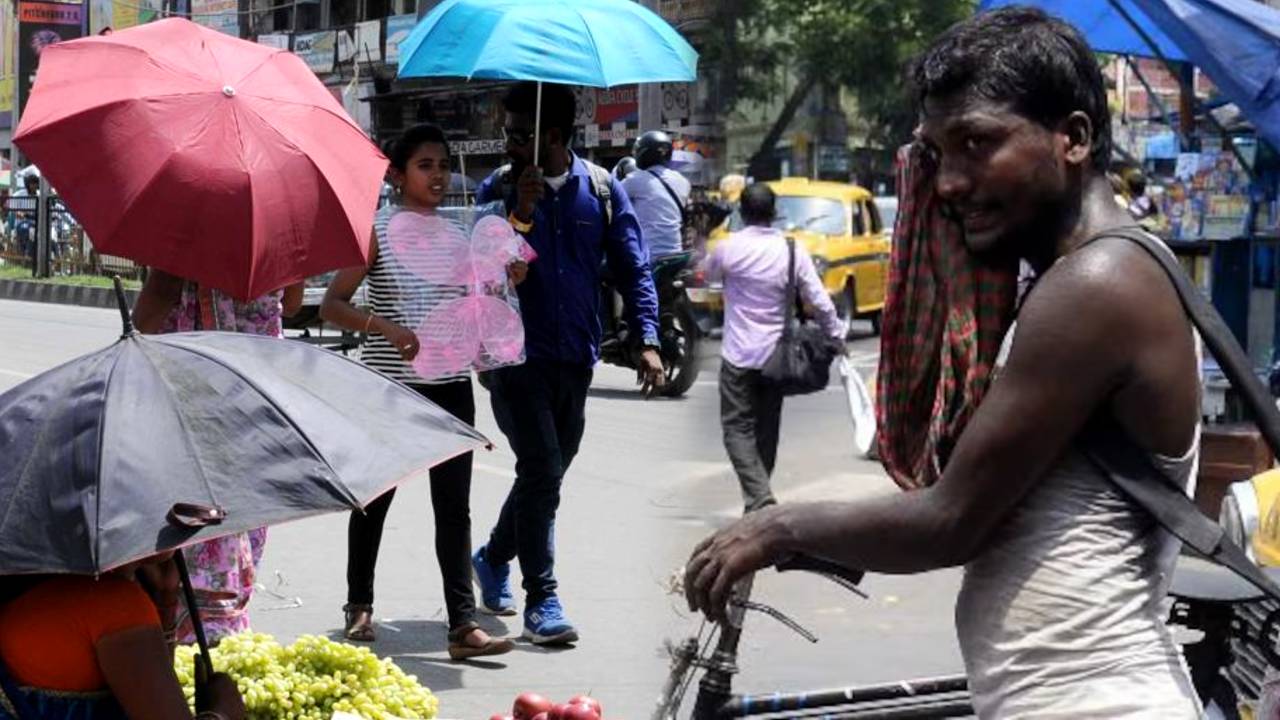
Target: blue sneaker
494,582
545,624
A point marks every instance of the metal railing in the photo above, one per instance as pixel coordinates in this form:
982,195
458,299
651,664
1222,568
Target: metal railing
67,250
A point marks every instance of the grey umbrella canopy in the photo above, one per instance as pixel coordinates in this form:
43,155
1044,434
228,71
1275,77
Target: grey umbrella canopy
158,442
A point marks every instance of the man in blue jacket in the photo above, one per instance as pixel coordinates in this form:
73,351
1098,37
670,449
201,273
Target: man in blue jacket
576,217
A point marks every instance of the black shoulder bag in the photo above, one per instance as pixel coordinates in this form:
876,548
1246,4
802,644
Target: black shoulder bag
801,362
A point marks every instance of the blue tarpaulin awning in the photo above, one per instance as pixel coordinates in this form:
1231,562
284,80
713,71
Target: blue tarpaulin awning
1104,28
1235,42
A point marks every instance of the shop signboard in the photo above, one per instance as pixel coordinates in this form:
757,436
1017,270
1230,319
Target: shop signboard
478,147
833,160
41,24
398,29
220,15
617,104
8,39
676,103
122,14
316,50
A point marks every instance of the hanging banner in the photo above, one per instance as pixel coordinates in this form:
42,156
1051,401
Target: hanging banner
368,39
41,24
398,29
275,40
346,46
220,15
316,50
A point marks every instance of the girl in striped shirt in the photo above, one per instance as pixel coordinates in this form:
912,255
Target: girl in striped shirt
400,299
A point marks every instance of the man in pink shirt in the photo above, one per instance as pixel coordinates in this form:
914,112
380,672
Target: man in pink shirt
753,264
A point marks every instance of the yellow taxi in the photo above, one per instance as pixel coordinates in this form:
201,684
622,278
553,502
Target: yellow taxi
840,226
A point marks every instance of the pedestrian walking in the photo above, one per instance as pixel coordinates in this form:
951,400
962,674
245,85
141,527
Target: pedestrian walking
576,217
401,298
223,570
1061,612
754,265
659,194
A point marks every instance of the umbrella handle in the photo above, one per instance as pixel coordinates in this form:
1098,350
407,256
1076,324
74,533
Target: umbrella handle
121,301
537,125
203,663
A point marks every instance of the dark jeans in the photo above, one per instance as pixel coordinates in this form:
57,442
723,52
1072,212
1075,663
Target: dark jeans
450,503
750,416
540,407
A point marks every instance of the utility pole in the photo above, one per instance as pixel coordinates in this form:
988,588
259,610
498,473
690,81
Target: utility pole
650,94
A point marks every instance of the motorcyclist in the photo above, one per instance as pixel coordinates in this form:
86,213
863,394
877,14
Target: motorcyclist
659,194
625,167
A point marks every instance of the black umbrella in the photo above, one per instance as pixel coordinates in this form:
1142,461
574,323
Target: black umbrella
162,441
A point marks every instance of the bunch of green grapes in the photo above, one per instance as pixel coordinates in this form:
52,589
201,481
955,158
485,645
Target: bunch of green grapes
311,679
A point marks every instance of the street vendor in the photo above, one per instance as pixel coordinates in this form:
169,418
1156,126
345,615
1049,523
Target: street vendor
1059,614
74,646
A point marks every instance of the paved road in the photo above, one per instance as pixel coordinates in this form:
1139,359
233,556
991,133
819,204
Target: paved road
651,480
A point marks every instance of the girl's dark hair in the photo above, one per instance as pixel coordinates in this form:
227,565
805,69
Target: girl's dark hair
407,144
1039,65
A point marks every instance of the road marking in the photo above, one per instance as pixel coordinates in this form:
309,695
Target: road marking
15,373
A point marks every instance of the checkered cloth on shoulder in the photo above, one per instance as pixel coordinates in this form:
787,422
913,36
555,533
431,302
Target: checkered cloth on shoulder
945,317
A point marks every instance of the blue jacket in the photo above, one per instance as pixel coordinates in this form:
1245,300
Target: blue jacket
560,299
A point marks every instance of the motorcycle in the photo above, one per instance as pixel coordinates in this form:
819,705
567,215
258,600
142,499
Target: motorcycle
678,332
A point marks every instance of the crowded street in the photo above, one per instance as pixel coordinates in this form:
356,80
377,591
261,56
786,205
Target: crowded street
639,359
650,482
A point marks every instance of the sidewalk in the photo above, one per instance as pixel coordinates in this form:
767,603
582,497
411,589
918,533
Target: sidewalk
60,293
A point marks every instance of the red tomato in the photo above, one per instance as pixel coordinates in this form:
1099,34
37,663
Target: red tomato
557,711
589,701
579,711
529,704
541,716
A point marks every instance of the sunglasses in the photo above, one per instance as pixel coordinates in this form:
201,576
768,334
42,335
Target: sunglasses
516,137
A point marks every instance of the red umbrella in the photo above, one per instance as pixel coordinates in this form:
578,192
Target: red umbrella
213,158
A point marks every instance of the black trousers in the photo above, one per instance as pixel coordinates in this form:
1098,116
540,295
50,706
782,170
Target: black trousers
450,503
750,416
541,408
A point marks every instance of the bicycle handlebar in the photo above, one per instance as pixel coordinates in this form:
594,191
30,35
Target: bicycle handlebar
812,564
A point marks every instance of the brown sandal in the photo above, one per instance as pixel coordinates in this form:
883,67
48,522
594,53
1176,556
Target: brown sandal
460,649
359,626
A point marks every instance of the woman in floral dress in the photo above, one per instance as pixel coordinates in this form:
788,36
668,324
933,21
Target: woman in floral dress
223,570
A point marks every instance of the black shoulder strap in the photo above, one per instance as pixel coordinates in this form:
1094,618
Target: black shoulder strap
674,198
1146,485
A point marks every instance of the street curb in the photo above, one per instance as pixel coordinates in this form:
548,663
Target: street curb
61,294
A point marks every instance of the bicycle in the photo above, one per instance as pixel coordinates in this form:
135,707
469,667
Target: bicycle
924,698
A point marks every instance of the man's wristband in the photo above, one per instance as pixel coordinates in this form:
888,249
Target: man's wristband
521,227
368,322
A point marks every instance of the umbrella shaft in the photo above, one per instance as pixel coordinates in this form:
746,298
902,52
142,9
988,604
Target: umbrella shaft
198,627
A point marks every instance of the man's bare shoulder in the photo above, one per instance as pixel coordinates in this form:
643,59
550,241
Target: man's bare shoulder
1107,305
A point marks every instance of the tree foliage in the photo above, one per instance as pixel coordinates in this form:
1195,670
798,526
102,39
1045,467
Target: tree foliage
862,45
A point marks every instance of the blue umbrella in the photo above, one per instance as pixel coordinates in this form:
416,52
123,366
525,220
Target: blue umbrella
600,43
1105,29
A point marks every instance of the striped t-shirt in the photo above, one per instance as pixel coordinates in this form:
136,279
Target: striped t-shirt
405,297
